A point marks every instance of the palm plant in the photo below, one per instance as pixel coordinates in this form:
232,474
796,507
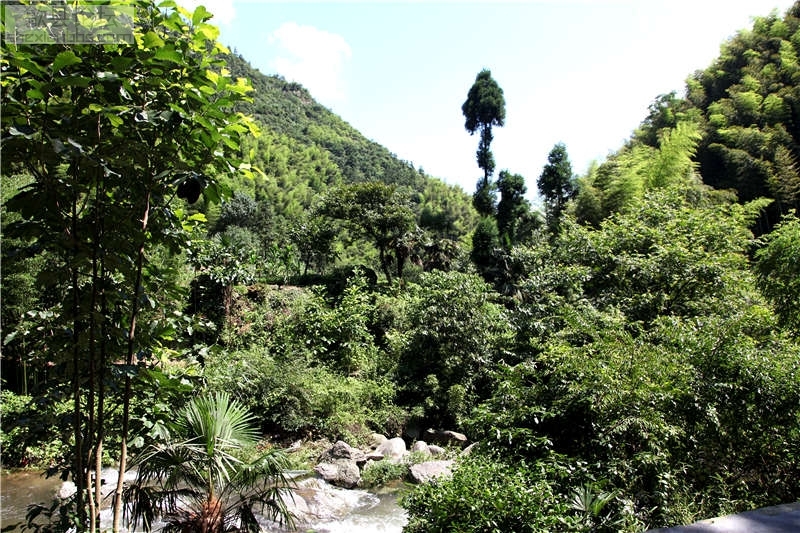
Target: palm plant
196,482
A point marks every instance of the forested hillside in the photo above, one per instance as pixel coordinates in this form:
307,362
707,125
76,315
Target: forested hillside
747,105
287,108
195,252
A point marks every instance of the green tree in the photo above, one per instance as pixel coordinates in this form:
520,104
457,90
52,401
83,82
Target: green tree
556,185
197,480
377,211
778,267
485,107
455,335
96,128
513,210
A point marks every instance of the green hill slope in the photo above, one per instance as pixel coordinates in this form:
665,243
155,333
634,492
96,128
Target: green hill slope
288,109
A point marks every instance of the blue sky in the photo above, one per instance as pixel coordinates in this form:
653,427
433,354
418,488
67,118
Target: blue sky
580,72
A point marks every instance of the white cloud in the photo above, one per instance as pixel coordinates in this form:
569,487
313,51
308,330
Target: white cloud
223,10
312,57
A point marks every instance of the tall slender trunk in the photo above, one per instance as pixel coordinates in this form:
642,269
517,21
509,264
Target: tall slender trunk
126,402
78,467
95,383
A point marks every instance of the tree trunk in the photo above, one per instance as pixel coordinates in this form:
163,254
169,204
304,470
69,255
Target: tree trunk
126,401
78,467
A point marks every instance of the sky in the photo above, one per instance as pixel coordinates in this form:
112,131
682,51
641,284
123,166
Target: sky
579,72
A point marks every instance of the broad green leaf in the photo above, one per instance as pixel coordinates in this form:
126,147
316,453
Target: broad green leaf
152,40
201,14
213,76
168,53
208,31
113,119
65,59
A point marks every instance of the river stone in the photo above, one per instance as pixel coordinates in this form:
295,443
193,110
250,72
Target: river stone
344,474
421,447
430,470
448,438
342,451
376,439
468,449
393,449
435,450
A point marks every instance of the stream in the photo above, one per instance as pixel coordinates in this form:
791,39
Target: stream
333,510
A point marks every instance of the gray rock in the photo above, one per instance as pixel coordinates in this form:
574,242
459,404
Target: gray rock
430,470
377,439
448,438
393,449
374,456
421,446
342,473
341,451
435,450
468,449
339,465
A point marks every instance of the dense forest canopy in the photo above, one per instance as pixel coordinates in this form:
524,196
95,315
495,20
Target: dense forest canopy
187,241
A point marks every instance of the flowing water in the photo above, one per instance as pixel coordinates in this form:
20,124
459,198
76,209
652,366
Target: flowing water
330,509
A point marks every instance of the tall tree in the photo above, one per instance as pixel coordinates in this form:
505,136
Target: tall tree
97,128
485,107
513,209
556,185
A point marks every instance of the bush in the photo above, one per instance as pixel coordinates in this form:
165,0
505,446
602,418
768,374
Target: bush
35,432
379,473
486,495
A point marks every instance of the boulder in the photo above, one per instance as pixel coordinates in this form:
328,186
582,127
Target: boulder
468,449
422,447
341,451
448,438
345,474
374,456
339,465
392,449
435,450
430,470
376,439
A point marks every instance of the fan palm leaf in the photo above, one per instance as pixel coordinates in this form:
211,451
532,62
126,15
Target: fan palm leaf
198,481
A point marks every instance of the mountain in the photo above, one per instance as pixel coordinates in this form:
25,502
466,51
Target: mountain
287,108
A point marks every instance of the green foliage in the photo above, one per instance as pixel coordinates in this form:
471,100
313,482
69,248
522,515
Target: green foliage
778,267
310,366
288,109
640,378
455,335
556,185
29,427
514,219
486,494
196,479
745,103
380,213
378,473
83,121
619,184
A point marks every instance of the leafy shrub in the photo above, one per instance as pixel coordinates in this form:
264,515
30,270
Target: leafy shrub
35,432
382,472
487,495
